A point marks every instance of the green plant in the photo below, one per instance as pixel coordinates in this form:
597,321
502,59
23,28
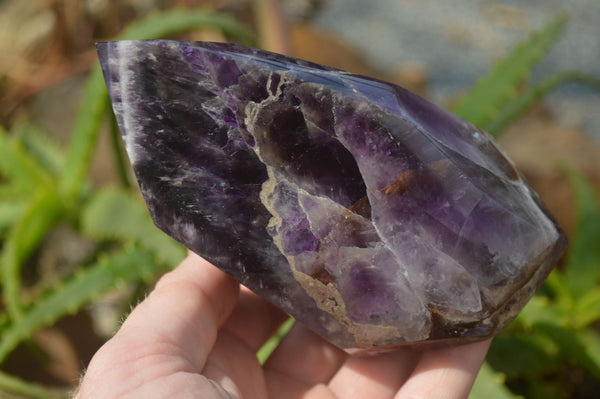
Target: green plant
497,99
41,187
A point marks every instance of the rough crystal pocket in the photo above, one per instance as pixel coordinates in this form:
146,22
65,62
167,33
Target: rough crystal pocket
369,214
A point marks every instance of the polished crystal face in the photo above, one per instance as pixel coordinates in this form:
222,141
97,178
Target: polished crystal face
371,215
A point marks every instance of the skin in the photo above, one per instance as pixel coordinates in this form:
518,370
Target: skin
197,333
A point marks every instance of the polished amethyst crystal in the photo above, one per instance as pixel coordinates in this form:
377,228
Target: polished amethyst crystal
371,215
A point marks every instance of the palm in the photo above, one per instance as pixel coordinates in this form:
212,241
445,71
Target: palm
171,346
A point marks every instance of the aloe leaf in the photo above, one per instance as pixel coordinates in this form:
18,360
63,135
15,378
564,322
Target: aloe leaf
18,166
540,310
490,385
14,192
123,267
590,340
95,98
118,215
45,150
10,213
586,310
267,349
575,346
483,103
39,216
85,132
583,263
15,385
524,355
555,282
531,96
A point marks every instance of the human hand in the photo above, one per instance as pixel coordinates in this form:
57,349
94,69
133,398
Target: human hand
197,333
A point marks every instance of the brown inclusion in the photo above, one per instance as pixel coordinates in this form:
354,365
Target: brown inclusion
402,183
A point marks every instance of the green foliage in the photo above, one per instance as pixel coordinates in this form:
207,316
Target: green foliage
124,266
26,389
17,166
46,153
485,102
269,346
490,385
117,215
10,213
532,95
40,214
583,269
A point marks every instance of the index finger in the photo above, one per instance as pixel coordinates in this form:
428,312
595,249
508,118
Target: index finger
446,373
184,311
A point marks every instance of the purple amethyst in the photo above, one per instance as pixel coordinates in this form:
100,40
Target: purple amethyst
371,215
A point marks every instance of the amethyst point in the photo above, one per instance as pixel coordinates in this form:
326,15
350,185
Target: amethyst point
371,215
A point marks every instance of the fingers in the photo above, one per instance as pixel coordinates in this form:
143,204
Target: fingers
445,373
232,363
184,311
370,376
167,336
253,320
306,357
235,368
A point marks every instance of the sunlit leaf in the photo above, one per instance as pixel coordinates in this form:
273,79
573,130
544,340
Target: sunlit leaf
492,92
120,268
18,166
540,309
10,213
586,309
17,386
583,263
46,151
37,218
267,349
515,108
574,345
118,215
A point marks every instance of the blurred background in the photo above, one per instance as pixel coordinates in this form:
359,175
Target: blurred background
73,228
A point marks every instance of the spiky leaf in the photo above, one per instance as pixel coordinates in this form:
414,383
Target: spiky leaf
10,213
38,217
18,166
574,345
583,264
41,147
484,102
532,95
124,267
265,351
118,215
15,385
